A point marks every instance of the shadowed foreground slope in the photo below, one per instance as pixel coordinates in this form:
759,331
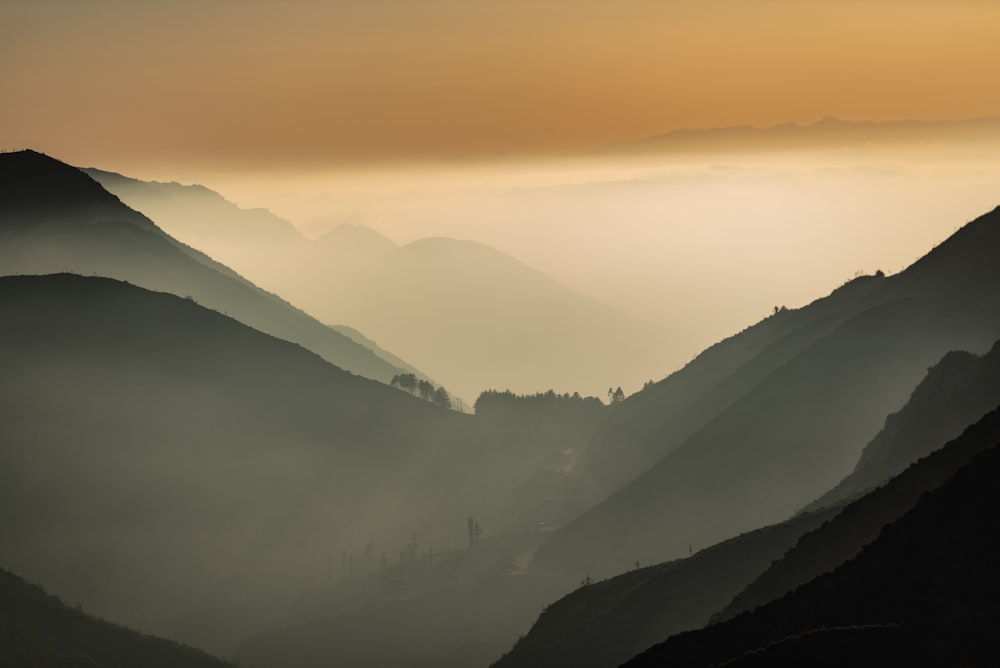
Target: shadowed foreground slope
37,630
924,593
173,468
608,622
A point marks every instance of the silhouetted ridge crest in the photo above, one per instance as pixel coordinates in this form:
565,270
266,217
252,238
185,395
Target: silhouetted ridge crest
36,188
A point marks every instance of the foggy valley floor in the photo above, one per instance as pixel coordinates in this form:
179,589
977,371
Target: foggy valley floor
190,460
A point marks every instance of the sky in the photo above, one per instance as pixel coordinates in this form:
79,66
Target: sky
261,82
485,120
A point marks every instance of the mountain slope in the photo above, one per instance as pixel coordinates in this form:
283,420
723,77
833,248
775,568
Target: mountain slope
956,392
843,537
922,594
54,218
481,319
38,630
608,622
468,315
175,469
799,430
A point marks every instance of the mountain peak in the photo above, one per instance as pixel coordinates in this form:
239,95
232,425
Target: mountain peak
36,188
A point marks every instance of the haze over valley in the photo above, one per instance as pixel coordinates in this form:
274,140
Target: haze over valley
455,335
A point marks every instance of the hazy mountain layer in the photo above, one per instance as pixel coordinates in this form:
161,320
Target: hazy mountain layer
956,392
54,218
827,133
800,428
923,593
174,468
465,313
37,630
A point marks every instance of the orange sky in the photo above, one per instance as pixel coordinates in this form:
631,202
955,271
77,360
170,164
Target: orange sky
305,81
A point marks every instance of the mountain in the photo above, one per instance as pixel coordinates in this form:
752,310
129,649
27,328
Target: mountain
177,471
54,218
172,468
956,392
507,325
860,523
791,421
826,133
607,622
922,593
652,423
478,318
37,630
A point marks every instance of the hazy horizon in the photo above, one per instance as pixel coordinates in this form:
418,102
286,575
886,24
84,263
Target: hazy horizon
698,245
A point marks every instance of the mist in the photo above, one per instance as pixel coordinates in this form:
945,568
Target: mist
687,247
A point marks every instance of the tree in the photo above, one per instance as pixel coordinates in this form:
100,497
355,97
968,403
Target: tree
441,398
426,389
405,381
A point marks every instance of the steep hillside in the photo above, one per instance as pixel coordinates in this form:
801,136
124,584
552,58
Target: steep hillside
607,622
860,522
507,325
957,391
54,218
655,421
797,431
177,470
922,594
37,630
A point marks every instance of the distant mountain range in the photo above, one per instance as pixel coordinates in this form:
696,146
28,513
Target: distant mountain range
54,218
827,133
468,315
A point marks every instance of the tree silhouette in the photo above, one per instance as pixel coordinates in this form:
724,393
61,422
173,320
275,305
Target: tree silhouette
426,389
405,381
441,398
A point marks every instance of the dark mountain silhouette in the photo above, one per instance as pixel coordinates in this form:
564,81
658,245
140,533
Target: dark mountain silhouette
604,623
167,465
843,537
607,622
790,422
55,218
178,471
37,630
956,392
923,593
827,133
